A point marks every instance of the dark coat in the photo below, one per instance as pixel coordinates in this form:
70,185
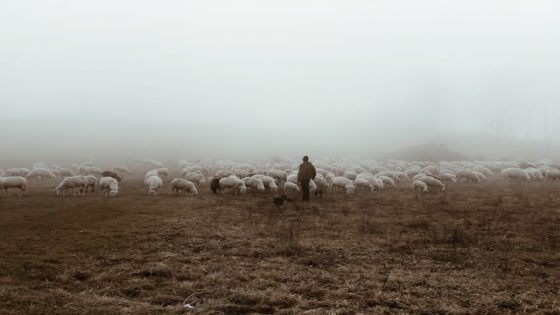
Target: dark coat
306,172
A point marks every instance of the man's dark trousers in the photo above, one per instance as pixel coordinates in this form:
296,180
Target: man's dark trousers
305,189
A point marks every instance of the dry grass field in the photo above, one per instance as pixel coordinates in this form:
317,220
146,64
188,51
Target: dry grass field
479,248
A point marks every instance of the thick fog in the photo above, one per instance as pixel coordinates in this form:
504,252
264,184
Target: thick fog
263,78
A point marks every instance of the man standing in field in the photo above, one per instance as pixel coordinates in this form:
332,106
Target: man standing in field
305,174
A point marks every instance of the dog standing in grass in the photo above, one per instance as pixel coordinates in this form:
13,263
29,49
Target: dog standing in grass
305,174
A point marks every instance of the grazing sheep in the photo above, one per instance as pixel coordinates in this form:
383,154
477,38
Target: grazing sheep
254,183
40,174
552,174
350,175
17,172
268,182
65,172
196,178
292,178
515,173
431,170
278,175
70,183
387,181
14,182
224,173
374,180
112,174
468,176
240,172
121,169
448,177
90,182
322,185
362,183
92,170
184,185
160,172
312,187
484,170
109,185
534,173
291,187
234,183
432,181
154,183
418,185
394,175
343,183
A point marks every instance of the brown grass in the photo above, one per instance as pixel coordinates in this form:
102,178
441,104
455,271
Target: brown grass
487,248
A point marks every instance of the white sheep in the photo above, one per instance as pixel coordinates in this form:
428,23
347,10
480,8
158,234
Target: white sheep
109,185
234,183
482,169
223,173
343,183
160,172
40,174
394,175
154,183
350,175
71,182
322,185
418,185
17,172
121,169
14,182
240,172
552,174
448,177
515,173
254,183
313,187
534,173
91,181
432,181
178,184
92,170
292,178
387,181
65,172
469,176
291,187
196,178
278,175
362,183
268,182
374,180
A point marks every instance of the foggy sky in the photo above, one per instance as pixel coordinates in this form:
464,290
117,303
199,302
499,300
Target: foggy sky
319,77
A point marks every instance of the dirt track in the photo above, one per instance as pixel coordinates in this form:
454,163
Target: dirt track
488,248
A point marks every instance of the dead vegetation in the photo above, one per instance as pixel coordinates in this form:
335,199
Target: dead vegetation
478,249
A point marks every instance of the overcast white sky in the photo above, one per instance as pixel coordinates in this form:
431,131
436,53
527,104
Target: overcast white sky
232,74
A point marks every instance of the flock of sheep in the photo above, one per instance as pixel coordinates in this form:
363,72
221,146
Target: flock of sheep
346,175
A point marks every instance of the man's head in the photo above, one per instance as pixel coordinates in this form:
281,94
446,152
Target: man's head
306,158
